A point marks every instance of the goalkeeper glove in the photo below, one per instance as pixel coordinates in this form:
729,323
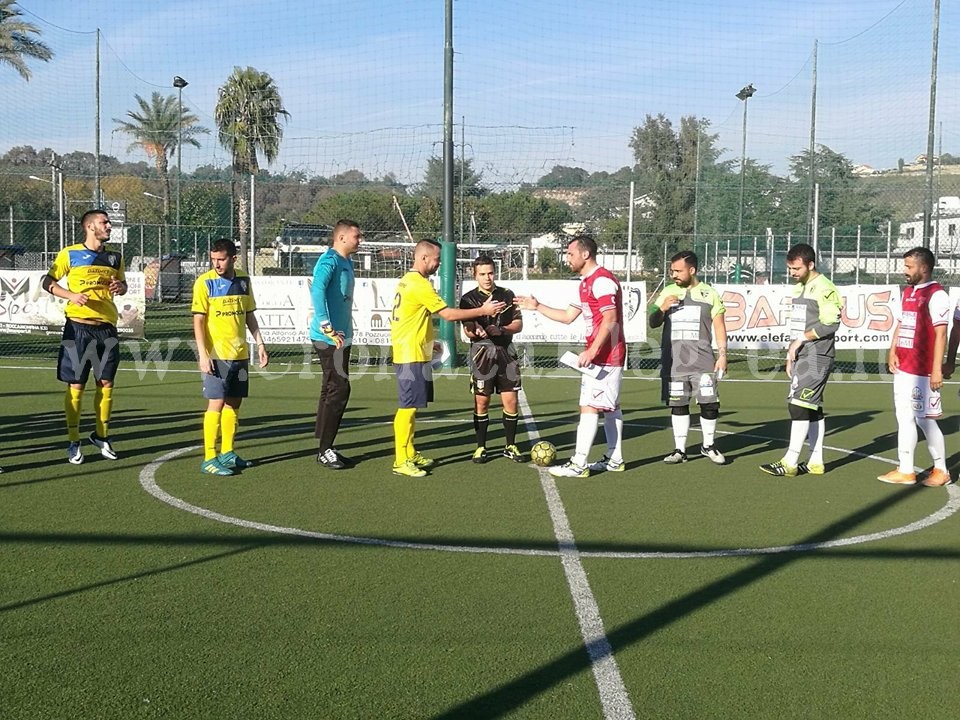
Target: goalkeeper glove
335,338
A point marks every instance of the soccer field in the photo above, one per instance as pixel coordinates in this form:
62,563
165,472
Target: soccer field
141,588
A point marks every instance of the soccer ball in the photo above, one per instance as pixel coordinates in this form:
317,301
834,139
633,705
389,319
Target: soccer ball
543,453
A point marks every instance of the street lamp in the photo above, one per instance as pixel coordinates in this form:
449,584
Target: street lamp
745,94
58,187
179,83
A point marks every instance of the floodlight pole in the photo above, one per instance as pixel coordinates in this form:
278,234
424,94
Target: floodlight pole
931,123
179,83
745,94
448,261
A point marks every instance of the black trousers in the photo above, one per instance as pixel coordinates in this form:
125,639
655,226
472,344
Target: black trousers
334,392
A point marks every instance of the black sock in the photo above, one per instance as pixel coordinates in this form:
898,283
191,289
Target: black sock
480,425
510,428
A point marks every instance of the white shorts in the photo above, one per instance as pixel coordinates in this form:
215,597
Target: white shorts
603,391
913,392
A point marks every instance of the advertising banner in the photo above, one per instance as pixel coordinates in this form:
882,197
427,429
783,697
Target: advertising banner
758,316
27,309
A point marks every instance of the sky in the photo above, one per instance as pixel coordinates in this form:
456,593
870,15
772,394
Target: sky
538,83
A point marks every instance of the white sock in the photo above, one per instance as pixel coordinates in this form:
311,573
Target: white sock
613,429
586,432
935,443
709,430
906,441
815,439
681,427
798,434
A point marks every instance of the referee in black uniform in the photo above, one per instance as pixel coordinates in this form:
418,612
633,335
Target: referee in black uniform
492,359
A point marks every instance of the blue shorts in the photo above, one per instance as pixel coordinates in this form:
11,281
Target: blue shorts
414,384
228,379
88,347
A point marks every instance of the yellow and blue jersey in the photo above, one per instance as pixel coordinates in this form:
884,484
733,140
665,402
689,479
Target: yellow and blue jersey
411,329
90,273
225,303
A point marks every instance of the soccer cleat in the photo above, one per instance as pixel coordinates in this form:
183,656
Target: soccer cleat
936,478
232,461
810,469
214,467
606,464
570,470
713,455
74,453
780,469
408,469
347,462
329,459
480,456
676,457
895,477
106,449
512,452
422,461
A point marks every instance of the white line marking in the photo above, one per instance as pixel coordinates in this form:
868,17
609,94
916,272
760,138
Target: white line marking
606,673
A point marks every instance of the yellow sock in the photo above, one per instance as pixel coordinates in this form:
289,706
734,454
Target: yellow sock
228,428
403,424
211,428
71,407
103,405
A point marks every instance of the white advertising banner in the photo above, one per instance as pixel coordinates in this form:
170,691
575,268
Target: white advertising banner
284,309
27,309
758,316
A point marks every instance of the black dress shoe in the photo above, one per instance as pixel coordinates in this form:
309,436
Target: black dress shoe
328,458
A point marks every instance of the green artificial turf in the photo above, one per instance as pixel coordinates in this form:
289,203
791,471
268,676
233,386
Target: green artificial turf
114,604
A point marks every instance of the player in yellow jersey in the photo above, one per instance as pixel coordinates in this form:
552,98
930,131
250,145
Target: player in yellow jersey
411,336
93,275
223,310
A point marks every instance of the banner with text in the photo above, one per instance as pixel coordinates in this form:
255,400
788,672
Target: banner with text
27,309
758,316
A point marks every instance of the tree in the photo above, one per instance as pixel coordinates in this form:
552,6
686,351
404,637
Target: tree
157,128
562,176
433,179
667,165
17,42
248,115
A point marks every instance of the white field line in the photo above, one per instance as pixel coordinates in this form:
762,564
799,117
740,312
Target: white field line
606,673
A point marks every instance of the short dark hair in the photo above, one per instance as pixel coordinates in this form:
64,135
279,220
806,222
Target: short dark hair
586,244
89,213
224,245
483,260
923,255
802,251
689,257
343,224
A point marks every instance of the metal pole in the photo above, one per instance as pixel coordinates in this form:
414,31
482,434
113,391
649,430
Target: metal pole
857,272
253,218
928,201
46,242
141,247
815,218
811,214
62,197
889,238
745,94
157,290
98,193
179,83
696,191
833,251
630,233
449,247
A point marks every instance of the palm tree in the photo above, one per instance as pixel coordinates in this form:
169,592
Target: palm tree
157,128
248,115
16,42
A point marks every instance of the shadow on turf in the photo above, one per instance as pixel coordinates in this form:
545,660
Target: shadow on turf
507,698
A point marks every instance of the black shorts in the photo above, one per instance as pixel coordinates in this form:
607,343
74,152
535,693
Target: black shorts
414,384
227,379
493,369
88,347
809,379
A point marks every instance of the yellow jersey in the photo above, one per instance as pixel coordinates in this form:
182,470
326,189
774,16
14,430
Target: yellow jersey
411,330
90,273
226,304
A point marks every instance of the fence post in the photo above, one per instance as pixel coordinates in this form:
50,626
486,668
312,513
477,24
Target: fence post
833,251
857,272
889,250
